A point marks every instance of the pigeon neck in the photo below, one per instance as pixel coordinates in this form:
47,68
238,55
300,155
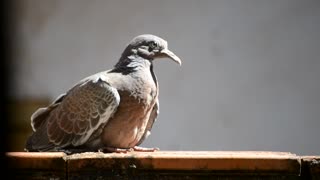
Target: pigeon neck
130,64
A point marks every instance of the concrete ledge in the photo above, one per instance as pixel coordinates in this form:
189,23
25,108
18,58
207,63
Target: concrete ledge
161,165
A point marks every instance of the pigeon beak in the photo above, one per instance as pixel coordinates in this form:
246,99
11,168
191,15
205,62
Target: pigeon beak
171,55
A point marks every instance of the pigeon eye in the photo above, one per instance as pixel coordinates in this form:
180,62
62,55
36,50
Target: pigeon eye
152,46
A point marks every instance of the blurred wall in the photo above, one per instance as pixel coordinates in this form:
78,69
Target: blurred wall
249,78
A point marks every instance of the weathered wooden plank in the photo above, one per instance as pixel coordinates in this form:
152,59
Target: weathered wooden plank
36,165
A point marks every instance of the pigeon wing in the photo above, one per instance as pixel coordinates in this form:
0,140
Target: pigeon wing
86,107
153,117
73,118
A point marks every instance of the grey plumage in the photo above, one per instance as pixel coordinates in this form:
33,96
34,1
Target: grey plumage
113,109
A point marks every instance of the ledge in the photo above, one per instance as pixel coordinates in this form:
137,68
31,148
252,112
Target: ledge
27,165
311,167
163,165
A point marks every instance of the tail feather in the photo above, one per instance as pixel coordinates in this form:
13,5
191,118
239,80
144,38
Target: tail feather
39,141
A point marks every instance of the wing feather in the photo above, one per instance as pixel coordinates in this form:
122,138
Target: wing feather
75,116
83,110
153,117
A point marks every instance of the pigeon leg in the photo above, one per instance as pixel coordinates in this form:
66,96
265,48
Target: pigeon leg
144,149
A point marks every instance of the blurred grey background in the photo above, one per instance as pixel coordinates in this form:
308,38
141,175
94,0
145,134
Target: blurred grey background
249,78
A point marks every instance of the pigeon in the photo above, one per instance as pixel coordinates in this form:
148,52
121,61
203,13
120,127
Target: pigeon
111,111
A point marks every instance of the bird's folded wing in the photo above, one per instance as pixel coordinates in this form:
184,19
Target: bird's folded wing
152,119
82,111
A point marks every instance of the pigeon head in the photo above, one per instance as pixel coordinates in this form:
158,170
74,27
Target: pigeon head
149,47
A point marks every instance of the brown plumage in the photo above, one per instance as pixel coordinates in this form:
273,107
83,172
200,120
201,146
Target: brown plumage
112,110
